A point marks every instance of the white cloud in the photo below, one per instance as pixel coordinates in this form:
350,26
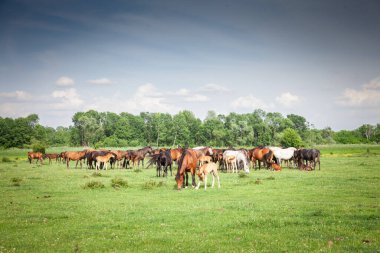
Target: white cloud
146,98
196,98
65,81
249,101
367,96
287,99
211,87
67,99
101,81
188,96
182,92
18,94
374,84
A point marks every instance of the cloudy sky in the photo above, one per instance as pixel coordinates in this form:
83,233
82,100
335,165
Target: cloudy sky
318,59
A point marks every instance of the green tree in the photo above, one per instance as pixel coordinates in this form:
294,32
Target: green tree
290,138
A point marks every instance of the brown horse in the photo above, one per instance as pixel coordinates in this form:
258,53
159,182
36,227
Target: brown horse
75,156
188,162
176,153
52,156
202,151
120,154
139,155
264,155
35,155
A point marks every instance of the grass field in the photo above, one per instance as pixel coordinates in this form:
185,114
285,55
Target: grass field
51,209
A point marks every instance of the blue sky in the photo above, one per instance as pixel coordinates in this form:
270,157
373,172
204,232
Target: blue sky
318,59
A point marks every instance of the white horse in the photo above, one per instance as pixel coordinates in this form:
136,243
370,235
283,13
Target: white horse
283,153
240,158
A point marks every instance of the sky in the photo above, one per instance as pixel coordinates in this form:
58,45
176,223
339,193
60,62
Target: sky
317,59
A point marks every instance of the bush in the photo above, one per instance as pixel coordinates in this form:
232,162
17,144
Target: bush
119,182
38,147
6,160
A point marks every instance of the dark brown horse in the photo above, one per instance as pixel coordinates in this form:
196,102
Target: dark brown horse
139,155
188,162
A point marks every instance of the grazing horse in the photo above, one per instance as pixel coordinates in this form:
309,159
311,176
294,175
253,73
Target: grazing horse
139,155
241,158
264,155
52,156
75,156
206,169
104,159
283,154
164,160
187,163
35,155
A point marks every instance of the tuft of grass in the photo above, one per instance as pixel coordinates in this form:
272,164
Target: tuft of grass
161,183
270,178
243,174
258,181
93,185
16,181
6,160
149,185
96,174
137,170
118,182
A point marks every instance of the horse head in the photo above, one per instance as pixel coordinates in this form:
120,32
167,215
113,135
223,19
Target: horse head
179,180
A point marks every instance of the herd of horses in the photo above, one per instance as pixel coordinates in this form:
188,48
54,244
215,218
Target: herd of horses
205,160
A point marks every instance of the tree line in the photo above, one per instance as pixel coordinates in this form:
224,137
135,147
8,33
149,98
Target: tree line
108,129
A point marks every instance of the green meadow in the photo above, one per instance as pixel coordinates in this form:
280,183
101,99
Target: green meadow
48,208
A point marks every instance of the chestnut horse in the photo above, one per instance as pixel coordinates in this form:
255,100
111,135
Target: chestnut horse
75,156
52,156
188,162
35,155
264,155
176,153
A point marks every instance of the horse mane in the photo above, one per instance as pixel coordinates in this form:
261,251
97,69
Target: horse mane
180,161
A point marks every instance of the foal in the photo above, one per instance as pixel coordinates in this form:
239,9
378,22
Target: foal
103,159
206,169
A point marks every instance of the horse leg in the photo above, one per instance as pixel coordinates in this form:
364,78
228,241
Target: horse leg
213,179
205,182
186,181
193,183
67,162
